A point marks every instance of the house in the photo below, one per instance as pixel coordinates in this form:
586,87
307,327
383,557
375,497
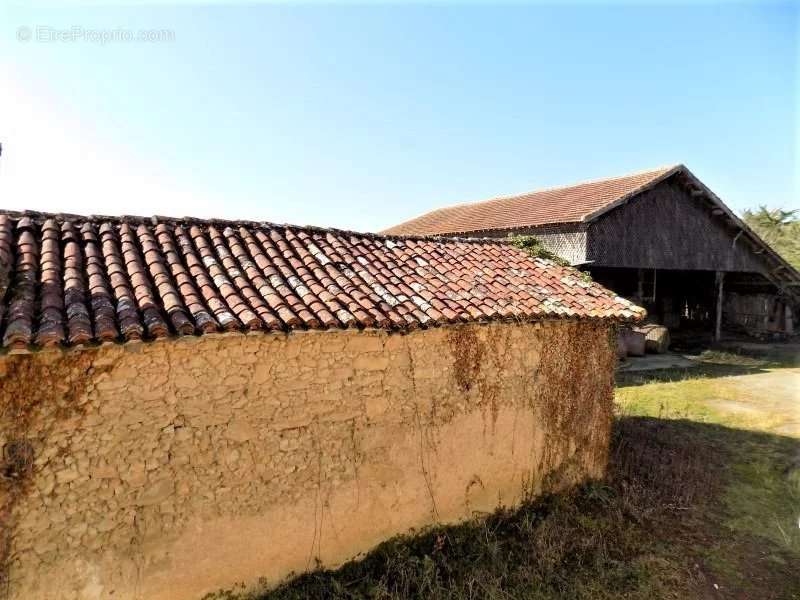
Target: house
186,405
660,237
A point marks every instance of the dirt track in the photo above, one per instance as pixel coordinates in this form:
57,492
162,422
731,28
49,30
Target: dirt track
771,396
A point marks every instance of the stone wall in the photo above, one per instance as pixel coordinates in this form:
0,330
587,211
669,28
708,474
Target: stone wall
171,469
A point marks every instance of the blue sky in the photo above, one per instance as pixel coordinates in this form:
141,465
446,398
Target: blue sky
363,115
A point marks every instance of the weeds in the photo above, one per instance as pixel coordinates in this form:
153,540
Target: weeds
534,247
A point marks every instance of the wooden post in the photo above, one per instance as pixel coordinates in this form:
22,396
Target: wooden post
655,276
720,278
640,287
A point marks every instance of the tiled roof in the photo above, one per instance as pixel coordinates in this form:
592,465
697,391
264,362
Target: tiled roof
571,204
68,280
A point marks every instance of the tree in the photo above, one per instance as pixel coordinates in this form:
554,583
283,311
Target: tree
779,228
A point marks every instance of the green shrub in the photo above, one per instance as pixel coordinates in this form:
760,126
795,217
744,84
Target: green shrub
533,246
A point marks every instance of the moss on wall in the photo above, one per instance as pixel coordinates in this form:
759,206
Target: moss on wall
37,393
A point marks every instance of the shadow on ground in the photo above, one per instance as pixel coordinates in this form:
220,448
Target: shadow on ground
685,512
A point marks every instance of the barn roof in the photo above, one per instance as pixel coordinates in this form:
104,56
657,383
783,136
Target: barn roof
68,279
570,204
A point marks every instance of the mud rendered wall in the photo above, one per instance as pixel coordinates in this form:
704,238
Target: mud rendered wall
172,469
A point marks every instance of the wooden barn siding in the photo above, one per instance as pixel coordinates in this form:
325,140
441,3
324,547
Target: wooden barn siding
665,228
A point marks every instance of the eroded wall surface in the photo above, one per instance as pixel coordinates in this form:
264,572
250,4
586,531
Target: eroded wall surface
172,469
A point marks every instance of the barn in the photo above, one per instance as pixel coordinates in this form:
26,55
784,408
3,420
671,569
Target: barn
661,238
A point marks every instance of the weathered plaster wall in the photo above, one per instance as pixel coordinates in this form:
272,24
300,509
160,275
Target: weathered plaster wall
173,469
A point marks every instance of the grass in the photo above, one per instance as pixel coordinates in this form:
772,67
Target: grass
765,501
699,502
757,511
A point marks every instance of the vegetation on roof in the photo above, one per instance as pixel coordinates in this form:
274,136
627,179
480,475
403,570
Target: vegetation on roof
534,246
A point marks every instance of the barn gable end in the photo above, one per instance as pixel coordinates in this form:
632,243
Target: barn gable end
643,233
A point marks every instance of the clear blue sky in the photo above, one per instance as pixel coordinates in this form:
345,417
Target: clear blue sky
360,116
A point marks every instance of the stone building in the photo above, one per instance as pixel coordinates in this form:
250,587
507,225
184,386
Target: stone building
660,237
187,406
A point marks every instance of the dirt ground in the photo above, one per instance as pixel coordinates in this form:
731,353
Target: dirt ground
771,397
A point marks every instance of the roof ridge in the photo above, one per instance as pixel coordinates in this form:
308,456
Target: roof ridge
187,220
430,219
660,170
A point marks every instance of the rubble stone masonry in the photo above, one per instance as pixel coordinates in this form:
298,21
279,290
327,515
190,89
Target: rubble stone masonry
172,469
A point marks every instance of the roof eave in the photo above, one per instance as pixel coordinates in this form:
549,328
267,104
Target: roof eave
744,227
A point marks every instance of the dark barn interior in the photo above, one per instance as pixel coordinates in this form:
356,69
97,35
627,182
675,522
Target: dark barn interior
686,302
686,299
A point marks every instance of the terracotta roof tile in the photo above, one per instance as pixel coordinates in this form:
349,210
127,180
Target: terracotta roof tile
570,204
67,280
